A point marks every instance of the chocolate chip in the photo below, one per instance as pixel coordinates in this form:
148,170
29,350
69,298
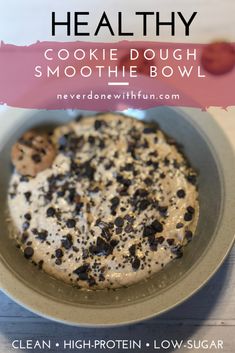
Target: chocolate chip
128,228
181,194
105,227
28,216
124,181
106,233
135,263
119,230
101,144
148,231
188,235
91,281
59,253
153,243
36,158
166,161
58,261
188,216
40,264
27,195
115,201
148,181
114,242
129,218
128,167
78,207
170,241
63,141
98,124
101,247
82,272
67,242
141,193
179,225
144,204
157,226
132,250
24,237
190,209
150,130
160,240
50,212
24,178
25,226
192,179
71,223
42,235
119,222
177,251
162,210
28,252
83,276
91,139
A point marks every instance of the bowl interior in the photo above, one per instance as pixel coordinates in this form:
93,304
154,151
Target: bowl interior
198,150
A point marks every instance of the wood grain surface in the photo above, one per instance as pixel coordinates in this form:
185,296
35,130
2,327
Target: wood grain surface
209,314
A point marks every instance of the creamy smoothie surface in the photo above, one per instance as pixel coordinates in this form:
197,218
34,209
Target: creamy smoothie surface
118,202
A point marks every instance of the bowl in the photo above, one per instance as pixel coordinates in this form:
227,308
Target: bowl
209,153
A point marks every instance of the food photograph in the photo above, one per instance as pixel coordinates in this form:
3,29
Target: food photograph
117,187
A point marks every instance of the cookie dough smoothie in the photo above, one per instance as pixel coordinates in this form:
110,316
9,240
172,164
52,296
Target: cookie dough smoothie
107,202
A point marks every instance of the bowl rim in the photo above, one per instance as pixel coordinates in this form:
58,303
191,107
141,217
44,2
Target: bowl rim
209,262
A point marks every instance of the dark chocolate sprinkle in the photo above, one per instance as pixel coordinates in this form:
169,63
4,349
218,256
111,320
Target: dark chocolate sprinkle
188,216
192,178
42,235
28,216
150,130
190,209
128,228
36,158
181,194
58,261
135,263
82,272
98,124
51,212
170,241
148,231
115,201
157,226
144,204
25,226
160,239
67,242
119,222
177,251
28,252
27,195
59,253
188,235
148,181
71,223
132,250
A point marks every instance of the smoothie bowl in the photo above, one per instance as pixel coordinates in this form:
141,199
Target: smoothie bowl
116,278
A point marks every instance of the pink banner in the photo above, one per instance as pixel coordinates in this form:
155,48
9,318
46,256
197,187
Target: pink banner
115,76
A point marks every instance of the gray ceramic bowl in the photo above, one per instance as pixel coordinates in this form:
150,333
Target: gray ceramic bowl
210,153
